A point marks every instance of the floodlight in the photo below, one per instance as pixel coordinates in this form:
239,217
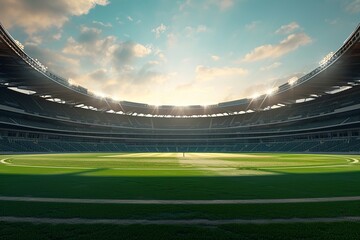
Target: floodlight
71,82
292,80
100,94
255,95
270,91
326,59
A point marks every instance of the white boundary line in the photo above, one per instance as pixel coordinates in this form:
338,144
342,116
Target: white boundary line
301,167
351,161
179,202
354,160
73,221
3,161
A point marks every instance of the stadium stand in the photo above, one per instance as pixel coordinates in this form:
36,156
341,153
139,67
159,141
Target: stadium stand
41,112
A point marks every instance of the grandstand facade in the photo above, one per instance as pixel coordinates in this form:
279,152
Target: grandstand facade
42,112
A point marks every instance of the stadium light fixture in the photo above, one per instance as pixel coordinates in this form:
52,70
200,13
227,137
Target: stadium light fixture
271,91
19,44
292,80
326,59
71,82
115,99
100,94
255,95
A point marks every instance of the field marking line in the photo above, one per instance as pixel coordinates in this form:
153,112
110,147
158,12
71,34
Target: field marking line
123,169
350,160
354,160
3,161
88,221
300,167
179,202
174,169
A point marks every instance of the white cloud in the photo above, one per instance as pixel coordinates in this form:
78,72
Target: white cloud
57,62
185,4
215,58
252,25
271,66
99,75
332,21
208,73
201,28
159,30
289,28
171,39
89,43
119,77
225,4
353,7
102,24
189,31
118,20
57,36
104,51
34,40
222,5
160,55
291,43
130,18
200,5
153,63
140,50
35,16
131,82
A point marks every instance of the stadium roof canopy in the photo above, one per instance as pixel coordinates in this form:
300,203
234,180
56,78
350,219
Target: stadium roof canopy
20,71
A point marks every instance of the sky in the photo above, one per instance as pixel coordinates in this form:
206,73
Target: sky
180,52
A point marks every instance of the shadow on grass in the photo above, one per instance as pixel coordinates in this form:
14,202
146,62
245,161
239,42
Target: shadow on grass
79,173
190,187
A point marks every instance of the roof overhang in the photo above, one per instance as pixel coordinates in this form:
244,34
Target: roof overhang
17,69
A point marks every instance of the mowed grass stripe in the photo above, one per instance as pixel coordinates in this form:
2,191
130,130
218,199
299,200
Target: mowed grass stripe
173,162
76,221
222,181
180,202
212,211
6,162
207,176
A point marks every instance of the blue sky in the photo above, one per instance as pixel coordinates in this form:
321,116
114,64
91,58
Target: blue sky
180,52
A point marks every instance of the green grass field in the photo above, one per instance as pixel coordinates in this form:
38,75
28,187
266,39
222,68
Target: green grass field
170,176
